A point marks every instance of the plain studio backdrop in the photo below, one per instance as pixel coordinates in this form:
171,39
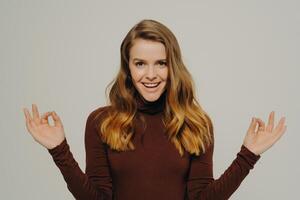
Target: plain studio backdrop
243,55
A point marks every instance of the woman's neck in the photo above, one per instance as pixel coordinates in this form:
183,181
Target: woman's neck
151,107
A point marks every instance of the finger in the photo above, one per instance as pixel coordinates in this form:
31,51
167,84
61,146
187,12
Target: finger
28,126
27,118
32,124
35,112
280,125
30,120
270,125
56,119
261,124
252,125
27,114
280,133
45,115
24,111
44,118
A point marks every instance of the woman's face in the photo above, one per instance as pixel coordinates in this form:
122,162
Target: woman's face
148,68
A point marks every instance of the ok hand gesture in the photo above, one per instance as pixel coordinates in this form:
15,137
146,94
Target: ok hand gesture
260,140
40,129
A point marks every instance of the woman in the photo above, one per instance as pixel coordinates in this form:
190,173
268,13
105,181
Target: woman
154,141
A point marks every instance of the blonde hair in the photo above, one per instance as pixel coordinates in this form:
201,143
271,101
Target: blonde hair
188,126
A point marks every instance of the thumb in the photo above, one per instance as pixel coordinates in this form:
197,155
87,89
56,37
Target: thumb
252,126
56,118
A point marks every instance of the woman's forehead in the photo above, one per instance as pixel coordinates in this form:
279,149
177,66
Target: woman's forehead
148,50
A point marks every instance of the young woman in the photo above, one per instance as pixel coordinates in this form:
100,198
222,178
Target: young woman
154,140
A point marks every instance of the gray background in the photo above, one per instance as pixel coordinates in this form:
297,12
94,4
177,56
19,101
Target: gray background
243,55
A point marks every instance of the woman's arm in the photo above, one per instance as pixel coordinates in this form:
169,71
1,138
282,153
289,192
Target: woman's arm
96,183
201,184
259,138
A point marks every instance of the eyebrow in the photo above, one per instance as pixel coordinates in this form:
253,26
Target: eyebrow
145,60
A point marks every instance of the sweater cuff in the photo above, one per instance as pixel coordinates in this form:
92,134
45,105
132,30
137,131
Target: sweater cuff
59,148
250,157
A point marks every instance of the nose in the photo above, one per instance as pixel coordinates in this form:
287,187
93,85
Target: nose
151,73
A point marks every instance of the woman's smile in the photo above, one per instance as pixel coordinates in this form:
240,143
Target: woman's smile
151,85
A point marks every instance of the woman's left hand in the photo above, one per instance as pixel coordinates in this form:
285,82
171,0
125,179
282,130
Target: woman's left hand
260,140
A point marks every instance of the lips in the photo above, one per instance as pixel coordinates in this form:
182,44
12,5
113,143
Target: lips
151,85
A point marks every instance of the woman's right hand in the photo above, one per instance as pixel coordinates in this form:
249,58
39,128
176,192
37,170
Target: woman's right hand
40,129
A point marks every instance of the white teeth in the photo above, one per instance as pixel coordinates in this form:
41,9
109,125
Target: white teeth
151,84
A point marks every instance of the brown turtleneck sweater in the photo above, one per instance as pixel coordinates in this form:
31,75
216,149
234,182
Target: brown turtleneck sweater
153,171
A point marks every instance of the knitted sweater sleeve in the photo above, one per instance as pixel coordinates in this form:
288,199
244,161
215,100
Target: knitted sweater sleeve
201,184
96,182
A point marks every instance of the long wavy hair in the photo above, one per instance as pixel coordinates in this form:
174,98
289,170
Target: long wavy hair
187,125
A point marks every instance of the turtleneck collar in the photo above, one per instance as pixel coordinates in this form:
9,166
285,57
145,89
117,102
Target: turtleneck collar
151,107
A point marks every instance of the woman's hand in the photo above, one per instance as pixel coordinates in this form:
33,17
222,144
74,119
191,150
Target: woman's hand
260,140
40,129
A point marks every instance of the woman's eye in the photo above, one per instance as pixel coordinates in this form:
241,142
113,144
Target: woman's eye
162,63
141,63
138,63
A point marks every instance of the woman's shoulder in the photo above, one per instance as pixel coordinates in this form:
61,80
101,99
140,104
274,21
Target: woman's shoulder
100,109
98,112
